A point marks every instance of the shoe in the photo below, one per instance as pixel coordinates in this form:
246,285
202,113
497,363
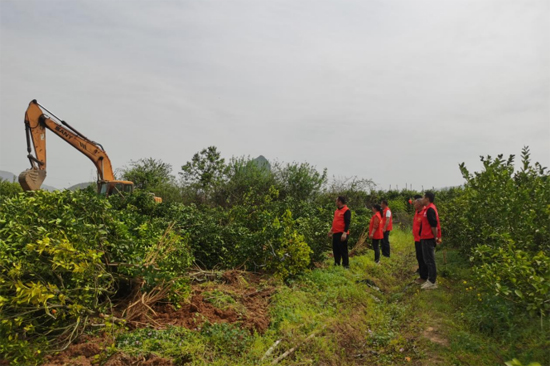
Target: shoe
377,263
420,281
429,285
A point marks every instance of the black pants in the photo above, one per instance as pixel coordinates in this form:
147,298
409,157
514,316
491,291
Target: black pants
376,247
428,253
422,268
340,250
386,244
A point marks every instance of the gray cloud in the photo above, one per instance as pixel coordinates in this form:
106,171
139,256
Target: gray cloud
378,89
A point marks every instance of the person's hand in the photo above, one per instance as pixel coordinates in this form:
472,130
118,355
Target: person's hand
330,234
438,241
344,237
370,236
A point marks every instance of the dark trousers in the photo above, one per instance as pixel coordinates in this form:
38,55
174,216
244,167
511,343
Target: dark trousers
422,268
340,250
386,244
428,253
376,247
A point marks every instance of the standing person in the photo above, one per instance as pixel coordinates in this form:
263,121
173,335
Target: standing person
417,223
340,232
376,231
387,226
430,236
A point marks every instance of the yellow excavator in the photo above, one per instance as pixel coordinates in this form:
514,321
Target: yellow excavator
36,123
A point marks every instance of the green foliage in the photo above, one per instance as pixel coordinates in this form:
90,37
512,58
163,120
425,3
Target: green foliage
516,362
519,276
211,342
153,175
289,249
148,174
64,255
299,181
226,338
260,234
484,322
175,342
397,205
501,219
244,179
9,189
205,171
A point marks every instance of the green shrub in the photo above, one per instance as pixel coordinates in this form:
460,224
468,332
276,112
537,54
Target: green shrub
9,189
63,257
501,219
288,251
516,275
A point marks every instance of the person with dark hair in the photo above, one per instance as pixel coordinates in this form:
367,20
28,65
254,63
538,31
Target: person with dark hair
340,231
387,226
376,231
417,222
430,236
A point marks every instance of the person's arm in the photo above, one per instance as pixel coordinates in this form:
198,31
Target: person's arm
347,222
388,217
432,219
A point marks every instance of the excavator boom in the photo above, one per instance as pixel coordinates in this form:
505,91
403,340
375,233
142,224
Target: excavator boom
36,123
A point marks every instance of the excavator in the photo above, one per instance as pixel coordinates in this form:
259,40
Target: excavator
36,123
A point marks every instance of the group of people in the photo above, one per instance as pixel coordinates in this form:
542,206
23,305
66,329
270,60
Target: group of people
426,231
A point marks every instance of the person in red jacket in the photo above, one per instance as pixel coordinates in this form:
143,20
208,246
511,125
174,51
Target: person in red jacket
430,236
376,232
387,226
417,222
340,231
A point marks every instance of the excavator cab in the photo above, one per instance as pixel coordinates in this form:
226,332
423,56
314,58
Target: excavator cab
107,188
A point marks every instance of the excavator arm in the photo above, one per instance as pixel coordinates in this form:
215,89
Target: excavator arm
36,123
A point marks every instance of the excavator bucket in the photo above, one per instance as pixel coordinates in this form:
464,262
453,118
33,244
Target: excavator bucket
32,179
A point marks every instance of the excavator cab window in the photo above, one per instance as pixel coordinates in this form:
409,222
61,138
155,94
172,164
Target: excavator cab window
103,187
124,188
110,188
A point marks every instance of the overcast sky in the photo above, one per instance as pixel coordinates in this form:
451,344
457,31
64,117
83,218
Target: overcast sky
396,91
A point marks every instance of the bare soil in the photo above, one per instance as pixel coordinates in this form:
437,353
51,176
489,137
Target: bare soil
251,294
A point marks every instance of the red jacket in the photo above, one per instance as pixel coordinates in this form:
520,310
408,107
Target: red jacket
417,223
426,232
338,223
390,225
376,224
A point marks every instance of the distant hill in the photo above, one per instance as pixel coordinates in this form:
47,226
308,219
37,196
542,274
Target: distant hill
81,186
10,177
261,161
